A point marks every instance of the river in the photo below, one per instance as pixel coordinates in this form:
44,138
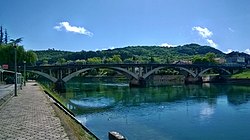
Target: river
179,112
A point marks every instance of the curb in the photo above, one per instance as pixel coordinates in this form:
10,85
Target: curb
69,113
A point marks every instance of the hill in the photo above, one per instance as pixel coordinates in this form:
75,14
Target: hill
140,53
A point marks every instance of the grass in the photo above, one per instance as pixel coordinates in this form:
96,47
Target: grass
56,96
74,130
244,74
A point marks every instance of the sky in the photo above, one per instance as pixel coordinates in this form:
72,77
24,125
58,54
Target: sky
77,25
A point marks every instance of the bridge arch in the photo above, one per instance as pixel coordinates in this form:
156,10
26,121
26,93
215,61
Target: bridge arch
70,76
205,70
51,78
158,68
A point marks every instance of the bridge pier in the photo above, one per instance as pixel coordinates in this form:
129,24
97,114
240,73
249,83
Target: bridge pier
193,80
60,86
141,82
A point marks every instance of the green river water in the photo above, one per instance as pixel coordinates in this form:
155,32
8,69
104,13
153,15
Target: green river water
177,112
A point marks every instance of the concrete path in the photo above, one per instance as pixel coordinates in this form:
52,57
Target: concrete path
30,116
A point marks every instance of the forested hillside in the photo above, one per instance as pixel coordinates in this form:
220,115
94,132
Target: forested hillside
140,54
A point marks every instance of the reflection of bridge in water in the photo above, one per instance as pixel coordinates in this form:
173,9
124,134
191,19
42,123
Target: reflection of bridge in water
137,73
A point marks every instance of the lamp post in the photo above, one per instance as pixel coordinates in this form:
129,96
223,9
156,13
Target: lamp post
24,73
14,43
15,71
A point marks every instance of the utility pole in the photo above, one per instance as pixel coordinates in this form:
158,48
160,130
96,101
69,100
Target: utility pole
24,73
14,43
15,46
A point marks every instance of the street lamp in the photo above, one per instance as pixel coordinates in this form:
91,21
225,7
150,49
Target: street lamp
24,73
14,43
15,46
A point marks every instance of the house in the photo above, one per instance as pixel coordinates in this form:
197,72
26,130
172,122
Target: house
220,60
238,58
182,62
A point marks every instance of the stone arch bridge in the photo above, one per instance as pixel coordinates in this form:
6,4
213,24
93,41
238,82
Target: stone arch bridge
137,73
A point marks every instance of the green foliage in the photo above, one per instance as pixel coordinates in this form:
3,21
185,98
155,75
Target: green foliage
31,57
114,59
208,58
244,74
5,37
45,62
51,55
1,35
61,61
134,54
80,62
129,60
94,60
7,53
199,60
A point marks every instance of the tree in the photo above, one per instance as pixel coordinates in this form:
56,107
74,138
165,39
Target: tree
7,51
154,60
1,35
210,57
129,60
6,37
199,60
80,62
117,58
61,61
12,41
114,59
94,60
31,58
45,62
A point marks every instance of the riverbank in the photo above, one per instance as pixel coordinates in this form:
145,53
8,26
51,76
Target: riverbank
73,127
32,115
244,81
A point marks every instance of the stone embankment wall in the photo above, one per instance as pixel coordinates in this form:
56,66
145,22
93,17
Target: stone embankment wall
162,80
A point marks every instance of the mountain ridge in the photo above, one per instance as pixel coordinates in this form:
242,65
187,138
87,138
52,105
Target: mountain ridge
182,52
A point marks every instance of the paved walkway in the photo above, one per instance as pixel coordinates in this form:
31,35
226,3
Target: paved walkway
30,116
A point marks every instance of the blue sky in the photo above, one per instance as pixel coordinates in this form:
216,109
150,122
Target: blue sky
77,25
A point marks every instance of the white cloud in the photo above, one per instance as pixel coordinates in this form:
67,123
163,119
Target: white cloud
204,32
228,51
230,29
247,51
211,43
231,50
167,45
110,48
75,29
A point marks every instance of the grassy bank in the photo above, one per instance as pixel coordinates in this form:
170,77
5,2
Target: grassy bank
244,75
73,128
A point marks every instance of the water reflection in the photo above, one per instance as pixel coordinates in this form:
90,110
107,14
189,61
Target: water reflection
172,112
92,102
96,96
206,112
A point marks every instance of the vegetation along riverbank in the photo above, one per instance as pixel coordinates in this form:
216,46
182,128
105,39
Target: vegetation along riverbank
74,129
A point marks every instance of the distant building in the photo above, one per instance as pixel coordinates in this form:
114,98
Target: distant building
238,58
182,62
220,60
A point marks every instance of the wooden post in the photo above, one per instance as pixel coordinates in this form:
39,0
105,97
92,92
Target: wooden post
116,136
